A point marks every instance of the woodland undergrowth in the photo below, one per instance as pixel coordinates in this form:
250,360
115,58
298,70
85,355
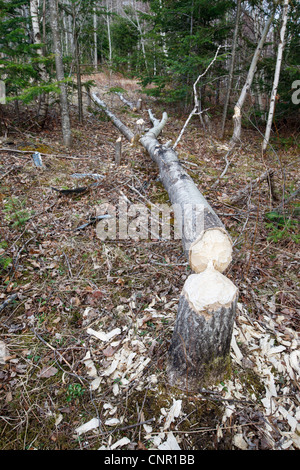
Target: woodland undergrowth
63,285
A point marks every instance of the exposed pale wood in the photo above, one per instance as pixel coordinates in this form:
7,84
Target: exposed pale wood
118,151
193,213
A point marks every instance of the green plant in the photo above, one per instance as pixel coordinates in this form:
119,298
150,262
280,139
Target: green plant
74,391
281,227
4,260
16,213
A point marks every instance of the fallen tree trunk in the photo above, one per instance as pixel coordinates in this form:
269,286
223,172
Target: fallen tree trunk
203,235
199,354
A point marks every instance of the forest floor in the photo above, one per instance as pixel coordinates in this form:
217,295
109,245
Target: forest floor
85,336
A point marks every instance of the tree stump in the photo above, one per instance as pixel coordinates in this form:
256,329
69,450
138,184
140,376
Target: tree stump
199,355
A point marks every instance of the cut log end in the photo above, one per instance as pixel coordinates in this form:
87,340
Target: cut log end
208,291
213,246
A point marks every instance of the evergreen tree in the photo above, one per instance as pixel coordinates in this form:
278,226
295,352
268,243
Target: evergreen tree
187,34
23,68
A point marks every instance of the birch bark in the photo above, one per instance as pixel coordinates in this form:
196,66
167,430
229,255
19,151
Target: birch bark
237,118
95,38
34,13
276,75
64,106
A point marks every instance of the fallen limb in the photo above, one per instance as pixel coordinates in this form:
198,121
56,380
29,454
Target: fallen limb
74,191
197,105
242,193
125,101
281,206
24,152
122,128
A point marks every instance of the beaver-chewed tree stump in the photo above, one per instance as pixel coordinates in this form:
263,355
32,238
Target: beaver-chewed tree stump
199,355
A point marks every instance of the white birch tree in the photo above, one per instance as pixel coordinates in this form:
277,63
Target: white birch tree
276,75
237,118
34,13
64,106
232,62
95,37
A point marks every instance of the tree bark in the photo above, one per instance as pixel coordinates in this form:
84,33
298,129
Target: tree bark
43,104
199,355
230,76
202,232
64,107
237,118
109,34
95,38
276,75
77,63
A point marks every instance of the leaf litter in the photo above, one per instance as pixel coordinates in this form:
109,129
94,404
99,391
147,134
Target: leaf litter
101,317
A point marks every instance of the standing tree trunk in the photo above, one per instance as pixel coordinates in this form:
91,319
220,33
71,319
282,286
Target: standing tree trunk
276,75
64,106
230,76
237,118
43,104
77,65
108,34
95,38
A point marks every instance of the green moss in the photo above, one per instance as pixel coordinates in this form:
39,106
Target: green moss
42,148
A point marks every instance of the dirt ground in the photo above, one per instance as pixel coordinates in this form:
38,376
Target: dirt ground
87,326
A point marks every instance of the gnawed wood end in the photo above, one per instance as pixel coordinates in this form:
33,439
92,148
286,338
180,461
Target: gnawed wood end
212,245
199,354
208,291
